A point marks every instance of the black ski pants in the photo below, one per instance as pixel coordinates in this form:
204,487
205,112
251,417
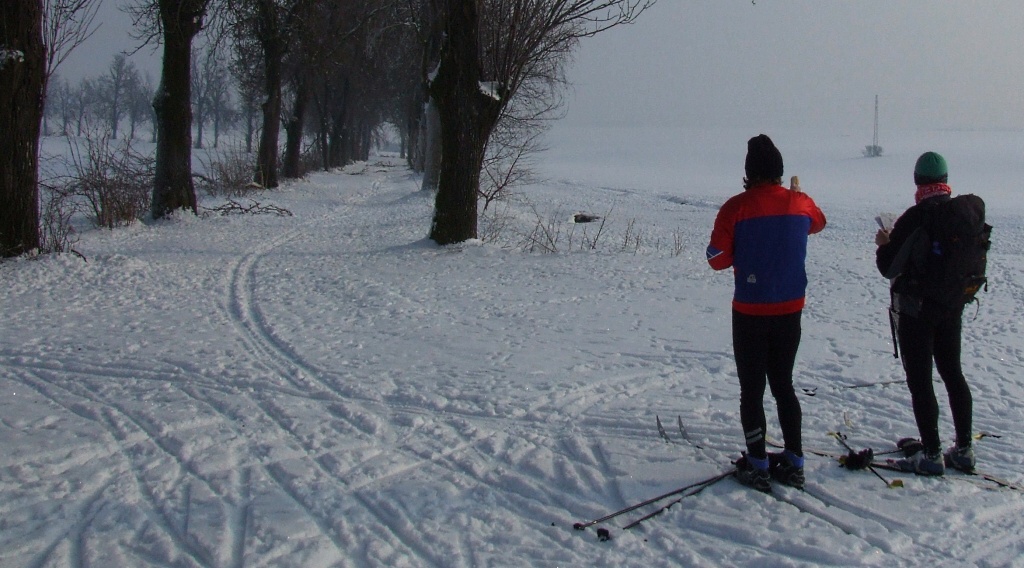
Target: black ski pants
921,340
765,349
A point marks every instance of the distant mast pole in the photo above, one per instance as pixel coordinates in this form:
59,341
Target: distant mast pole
874,150
875,141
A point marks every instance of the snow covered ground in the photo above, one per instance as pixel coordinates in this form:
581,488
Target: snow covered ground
330,389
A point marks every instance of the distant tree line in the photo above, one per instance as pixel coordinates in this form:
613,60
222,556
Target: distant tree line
467,84
122,97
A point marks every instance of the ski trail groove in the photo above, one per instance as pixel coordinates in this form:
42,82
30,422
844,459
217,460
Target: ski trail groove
255,332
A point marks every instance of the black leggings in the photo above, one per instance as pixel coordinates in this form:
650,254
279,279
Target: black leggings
921,340
765,349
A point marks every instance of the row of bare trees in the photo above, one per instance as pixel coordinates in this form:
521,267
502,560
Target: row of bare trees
124,94
119,94
468,83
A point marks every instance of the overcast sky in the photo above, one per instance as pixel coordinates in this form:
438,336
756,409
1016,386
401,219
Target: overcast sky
938,63
112,36
933,64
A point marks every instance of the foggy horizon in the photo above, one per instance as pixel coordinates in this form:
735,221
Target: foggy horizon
777,63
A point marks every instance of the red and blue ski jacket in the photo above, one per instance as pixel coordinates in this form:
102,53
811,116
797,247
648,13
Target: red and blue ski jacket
762,233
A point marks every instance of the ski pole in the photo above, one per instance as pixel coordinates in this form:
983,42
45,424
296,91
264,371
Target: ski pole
890,484
663,508
892,329
708,481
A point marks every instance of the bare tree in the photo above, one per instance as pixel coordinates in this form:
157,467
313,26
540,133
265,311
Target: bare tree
316,56
298,75
83,99
467,117
115,88
535,104
482,67
270,25
221,112
22,89
422,22
248,108
320,44
209,76
400,85
139,104
60,103
516,138
247,72
35,37
66,25
175,23
360,82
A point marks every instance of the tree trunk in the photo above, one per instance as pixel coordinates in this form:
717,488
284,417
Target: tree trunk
364,140
337,144
431,147
423,111
338,137
250,127
22,84
115,110
200,120
173,188
411,136
270,39
293,131
216,127
266,154
467,118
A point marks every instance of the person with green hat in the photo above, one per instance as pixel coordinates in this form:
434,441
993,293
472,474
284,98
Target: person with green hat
927,330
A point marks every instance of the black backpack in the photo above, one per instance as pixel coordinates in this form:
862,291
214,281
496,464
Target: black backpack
948,262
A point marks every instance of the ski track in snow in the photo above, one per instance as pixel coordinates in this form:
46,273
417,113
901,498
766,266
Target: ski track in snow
330,390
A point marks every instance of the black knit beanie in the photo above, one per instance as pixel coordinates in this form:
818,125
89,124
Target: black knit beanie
764,162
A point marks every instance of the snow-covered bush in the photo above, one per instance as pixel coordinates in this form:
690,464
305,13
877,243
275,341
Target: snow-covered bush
113,180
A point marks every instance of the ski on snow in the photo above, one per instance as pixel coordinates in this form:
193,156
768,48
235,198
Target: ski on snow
972,476
681,493
865,459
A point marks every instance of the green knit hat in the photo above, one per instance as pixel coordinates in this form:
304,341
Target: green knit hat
930,168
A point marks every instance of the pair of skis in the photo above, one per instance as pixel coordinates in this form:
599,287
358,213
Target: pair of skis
864,459
853,460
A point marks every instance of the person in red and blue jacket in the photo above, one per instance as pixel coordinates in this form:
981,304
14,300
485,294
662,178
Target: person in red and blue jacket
762,234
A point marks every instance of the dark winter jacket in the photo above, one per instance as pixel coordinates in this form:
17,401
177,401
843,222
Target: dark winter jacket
762,234
892,258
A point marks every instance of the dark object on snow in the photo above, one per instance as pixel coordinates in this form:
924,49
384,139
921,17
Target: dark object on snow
584,218
603,535
910,446
858,460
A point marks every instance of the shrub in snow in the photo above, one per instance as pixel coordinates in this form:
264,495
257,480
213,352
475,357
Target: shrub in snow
113,181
